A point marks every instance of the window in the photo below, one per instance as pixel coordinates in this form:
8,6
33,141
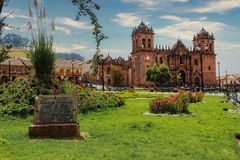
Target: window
206,47
181,60
209,68
149,43
161,60
210,47
196,62
143,43
147,66
108,70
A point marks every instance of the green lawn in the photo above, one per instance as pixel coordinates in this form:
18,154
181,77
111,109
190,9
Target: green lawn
125,133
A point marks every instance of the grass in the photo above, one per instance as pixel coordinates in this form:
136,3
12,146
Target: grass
137,94
125,133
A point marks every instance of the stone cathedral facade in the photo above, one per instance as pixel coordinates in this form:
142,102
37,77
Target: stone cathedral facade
180,59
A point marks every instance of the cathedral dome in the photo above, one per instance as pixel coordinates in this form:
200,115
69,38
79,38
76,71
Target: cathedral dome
178,45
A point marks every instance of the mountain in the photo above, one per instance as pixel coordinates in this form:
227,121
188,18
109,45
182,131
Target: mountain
70,56
15,40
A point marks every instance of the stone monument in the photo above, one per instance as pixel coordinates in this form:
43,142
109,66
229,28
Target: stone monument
55,117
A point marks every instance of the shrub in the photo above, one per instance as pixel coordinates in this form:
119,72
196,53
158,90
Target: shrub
196,97
94,101
3,141
173,104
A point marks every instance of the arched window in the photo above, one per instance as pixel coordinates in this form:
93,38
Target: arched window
108,70
143,43
209,68
161,60
196,62
206,47
149,43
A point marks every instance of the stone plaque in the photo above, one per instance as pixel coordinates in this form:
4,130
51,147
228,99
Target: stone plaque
55,117
55,109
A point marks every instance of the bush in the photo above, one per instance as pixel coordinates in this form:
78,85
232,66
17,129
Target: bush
95,101
196,97
17,97
3,141
173,104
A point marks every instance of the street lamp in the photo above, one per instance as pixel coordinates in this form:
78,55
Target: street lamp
102,63
201,65
9,70
219,79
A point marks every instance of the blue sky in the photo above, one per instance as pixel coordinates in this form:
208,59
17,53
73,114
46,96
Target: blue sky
169,18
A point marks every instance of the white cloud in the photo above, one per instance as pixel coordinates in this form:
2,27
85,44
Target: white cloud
180,1
72,48
142,3
12,15
128,19
185,28
225,45
218,6
153,4
72,23
63,29
171,18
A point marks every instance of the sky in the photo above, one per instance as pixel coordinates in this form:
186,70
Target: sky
170,19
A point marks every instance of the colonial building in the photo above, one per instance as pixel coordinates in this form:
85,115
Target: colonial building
14,67
187,63
71,70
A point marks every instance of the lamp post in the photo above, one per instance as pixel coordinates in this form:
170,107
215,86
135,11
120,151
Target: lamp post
102,63
201,66
226,80
72,71
219,79
9,70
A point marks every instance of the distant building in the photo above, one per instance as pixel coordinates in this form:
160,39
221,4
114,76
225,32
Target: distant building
70,70
230,80
64,70
14,67
181,60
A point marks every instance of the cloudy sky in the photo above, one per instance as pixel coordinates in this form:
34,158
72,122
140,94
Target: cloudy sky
169,18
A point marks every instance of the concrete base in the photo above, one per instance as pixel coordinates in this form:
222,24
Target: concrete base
68,130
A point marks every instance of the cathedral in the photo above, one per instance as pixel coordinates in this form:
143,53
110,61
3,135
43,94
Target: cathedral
187,63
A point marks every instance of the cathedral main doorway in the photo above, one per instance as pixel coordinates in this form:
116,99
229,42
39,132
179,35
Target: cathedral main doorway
181,78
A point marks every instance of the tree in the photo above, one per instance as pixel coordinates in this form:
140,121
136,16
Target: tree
87,8
5,49
41,49
159,75
117,76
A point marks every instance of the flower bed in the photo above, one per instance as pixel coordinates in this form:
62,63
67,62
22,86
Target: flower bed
176,103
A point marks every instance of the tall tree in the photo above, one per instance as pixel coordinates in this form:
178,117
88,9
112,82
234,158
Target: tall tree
159,75
88,8
117,76
4,49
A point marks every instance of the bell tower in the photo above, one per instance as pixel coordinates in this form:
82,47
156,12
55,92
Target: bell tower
203,44
204,41
142,38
